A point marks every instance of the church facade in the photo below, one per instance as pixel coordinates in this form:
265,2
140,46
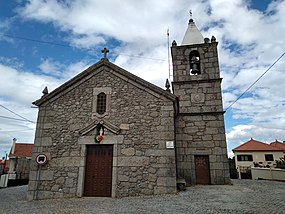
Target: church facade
109,133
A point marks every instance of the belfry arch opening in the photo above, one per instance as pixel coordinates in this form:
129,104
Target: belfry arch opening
194,58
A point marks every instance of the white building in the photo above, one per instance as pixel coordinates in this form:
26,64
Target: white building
255,153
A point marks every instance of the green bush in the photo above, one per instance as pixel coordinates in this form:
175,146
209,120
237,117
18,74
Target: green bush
280,163
233,170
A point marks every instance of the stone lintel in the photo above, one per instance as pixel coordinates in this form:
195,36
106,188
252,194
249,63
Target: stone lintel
202,113
197,81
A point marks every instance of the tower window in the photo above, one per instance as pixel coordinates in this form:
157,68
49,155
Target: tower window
194,59
101,103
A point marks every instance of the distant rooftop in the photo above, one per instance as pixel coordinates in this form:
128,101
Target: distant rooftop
278,144
22,150
254,145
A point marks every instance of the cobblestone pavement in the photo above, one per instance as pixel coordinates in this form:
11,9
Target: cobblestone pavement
244,196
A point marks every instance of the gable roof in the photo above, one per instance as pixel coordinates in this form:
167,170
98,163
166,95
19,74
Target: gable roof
278,144
98,67
254,145
22,150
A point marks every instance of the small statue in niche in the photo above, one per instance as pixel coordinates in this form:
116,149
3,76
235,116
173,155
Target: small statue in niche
99,136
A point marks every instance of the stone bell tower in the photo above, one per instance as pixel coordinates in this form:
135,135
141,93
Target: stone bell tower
201,149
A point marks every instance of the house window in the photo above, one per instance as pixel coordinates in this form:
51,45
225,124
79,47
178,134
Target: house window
244,158
101,103
269,157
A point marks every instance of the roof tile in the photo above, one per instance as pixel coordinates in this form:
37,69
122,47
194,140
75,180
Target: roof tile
22,150
254,145
278,144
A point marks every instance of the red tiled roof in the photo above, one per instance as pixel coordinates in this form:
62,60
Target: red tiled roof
254,145
278,144
22,150
1,162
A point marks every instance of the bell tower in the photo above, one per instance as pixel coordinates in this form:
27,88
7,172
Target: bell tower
201,150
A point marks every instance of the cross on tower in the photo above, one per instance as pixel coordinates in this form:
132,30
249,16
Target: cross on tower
105,51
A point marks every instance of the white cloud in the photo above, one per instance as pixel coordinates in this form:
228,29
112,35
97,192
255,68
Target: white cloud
249,41
5,24
151,66
73,69
242,133
256,41
86,41
23,87
18,89
18,127
127,21
50,68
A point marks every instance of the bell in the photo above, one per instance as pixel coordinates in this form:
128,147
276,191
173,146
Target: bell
194,59
195,69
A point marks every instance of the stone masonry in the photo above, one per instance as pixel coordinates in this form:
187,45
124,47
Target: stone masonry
199,125
139,121
151,139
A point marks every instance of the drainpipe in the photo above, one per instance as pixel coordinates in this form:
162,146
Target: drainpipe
13,145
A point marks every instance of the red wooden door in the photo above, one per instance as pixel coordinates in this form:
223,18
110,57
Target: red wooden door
202,169
98,171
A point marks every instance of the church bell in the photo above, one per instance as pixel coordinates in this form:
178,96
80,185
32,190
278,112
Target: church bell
195,62
195,69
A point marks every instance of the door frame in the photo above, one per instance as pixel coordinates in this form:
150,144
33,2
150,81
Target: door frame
89,140
209,170
92,166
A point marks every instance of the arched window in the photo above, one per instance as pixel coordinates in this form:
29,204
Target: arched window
101,103
194,59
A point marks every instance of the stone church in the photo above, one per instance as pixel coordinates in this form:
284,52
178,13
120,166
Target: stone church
107,132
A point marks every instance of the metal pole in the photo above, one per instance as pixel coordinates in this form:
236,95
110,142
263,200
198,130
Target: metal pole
168,53
6,155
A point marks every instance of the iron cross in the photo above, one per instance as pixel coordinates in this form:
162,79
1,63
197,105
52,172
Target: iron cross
105,51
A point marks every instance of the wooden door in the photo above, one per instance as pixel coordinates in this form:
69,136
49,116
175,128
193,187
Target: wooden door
202,169
98,171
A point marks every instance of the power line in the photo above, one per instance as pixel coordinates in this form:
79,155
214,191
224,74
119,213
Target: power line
135,56
13,118
69,46
21,130
35,40
23,118
255,82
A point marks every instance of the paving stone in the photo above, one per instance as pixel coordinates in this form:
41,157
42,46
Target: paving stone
243,196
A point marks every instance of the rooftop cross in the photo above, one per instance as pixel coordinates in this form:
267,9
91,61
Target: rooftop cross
105,51
191,18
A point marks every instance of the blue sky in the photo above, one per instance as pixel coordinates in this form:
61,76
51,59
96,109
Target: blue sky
45,43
